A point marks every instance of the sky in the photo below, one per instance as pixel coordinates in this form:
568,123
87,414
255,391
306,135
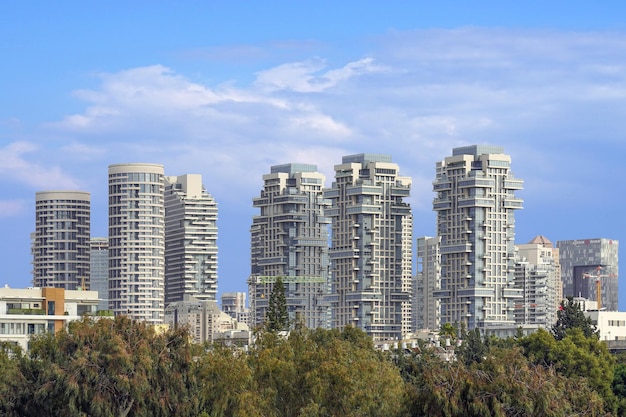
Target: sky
228,89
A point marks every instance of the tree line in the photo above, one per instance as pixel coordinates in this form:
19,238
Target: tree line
120,367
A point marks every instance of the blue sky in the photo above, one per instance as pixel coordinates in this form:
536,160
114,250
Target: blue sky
227,89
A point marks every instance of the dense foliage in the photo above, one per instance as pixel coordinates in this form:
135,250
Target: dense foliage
119,367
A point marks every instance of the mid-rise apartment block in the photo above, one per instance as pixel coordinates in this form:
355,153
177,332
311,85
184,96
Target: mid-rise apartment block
32,311
538,275
289,239
190,239
371,247
427,282
60,244
234,304
137,241
589,264
475,206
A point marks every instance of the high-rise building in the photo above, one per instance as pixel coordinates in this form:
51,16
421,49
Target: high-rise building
538,275
190,239
60,244
289,239
371,247
475,207
584,262
137,241
99,254
427,280
234,304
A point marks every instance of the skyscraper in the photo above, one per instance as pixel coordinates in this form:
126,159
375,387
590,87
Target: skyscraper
99,254
371,247
586,261
60,245
190,239
136,241
289,239
538,275
427,281
475,207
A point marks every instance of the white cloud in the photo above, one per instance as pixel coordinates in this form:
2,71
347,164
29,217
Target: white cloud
15,166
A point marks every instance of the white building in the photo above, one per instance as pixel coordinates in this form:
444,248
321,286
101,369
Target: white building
234,304
371,247
190,239
538,275
137,241
32,311
475,207
289,239
60,244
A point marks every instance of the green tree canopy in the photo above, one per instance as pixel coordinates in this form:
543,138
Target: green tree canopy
571,316
277,316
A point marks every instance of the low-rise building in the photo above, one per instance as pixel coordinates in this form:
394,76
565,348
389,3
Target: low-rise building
31,311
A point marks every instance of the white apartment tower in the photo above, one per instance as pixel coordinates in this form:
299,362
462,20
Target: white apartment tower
137,241
190,239
585,263
538,275
60,244
475,206
427,281
371,247
289,239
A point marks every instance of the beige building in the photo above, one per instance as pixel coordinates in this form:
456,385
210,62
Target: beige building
205,321
137,241
32,311
371,247
60,243
190,239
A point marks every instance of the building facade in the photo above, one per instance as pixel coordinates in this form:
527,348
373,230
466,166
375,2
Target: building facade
60,244
475,206
234,304
190,239
538,275
32,311
137,241
427,282
289,239
587,262
371,247
99,262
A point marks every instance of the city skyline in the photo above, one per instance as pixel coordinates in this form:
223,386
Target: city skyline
227,97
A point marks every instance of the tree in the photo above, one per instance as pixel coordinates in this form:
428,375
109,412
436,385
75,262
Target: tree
571,316
277,317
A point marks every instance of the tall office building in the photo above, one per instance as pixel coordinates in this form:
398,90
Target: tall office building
99,255
427,281
289,239
190,239
475,207
585,261
234,304
538,275
137,241
371,247
60,244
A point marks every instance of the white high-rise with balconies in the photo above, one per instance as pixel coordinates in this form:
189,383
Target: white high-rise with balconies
475,206
371,247
60,244
137,241
190,239
289,239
